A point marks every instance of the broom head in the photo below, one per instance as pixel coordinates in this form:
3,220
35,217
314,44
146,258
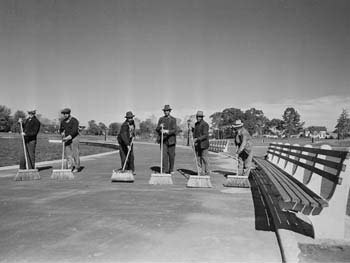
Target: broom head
199,181
125,176
160,178
26,175
62,174
237,181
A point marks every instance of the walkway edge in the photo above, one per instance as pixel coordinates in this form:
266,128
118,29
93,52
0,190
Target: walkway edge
83,158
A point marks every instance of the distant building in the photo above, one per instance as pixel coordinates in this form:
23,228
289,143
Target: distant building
316,132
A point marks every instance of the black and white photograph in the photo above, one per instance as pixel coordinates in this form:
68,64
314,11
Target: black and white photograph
174,131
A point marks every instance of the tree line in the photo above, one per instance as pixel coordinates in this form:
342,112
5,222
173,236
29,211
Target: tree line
221,122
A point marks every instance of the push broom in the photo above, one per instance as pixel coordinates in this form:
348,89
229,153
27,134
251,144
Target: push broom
27,174
161,178
124,175
237,180
198,181
62,173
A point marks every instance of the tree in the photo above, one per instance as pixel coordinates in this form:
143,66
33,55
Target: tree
114,128
274,126
93,128
5,118
254,121
102,128
292,122
18,114
147,128
343,124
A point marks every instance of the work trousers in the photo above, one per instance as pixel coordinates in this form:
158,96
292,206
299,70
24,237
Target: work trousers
168,158
72,154
245,162
202,160
30,151
123,151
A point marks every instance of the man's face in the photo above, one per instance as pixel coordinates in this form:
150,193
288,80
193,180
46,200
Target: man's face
130,120
166,112
65,115
30,115
199,118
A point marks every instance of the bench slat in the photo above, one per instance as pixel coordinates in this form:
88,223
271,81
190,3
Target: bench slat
300,203
334,178
331,164
334,153
292,192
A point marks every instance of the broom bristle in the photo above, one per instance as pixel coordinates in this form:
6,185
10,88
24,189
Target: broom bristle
161,179
199,181
237,181
122,176
62,174
26,175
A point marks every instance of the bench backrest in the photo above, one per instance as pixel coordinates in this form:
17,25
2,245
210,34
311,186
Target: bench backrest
320,169
218,145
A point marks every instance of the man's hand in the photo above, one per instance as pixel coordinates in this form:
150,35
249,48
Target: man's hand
165,131
195,140
20,120
67,138
23,133
129,147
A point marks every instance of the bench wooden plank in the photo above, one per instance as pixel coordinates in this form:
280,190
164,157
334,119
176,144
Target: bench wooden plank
292,191
331,164
329,176
334,153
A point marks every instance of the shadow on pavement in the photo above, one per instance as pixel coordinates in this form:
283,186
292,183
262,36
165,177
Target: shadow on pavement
155,169
42,168
187,173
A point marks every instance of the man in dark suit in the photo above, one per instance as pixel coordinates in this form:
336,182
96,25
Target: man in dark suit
167,124
127,132
201,142
31,127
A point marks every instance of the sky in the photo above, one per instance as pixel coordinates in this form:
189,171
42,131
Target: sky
104,58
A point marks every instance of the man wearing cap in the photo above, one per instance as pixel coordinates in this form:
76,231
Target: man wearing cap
127,132
167,124
244,148
201,142
69,130
30,128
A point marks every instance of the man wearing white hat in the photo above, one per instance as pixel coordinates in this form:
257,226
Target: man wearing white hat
201,142
31,127
244,148
127,132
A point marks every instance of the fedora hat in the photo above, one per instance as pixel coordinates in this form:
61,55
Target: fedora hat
65,111
166,108
199,114
129,115
237,124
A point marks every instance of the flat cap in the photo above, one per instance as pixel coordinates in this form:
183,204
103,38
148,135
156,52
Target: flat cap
65,111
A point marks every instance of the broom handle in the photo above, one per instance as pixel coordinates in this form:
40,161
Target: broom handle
127,155
195,155
62,155
24,145
161,150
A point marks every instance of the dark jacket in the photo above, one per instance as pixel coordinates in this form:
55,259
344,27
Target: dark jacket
31,127
126,133
201,132
70,127
169,124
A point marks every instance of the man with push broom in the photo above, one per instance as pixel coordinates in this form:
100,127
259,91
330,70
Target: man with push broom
200,147
201,142
29,131
167,124
125,136
69,130
244,153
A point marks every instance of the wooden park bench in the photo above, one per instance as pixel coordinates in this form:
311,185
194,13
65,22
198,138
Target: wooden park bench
309,181
218,145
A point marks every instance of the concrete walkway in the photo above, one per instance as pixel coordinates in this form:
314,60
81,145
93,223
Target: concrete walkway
91,219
